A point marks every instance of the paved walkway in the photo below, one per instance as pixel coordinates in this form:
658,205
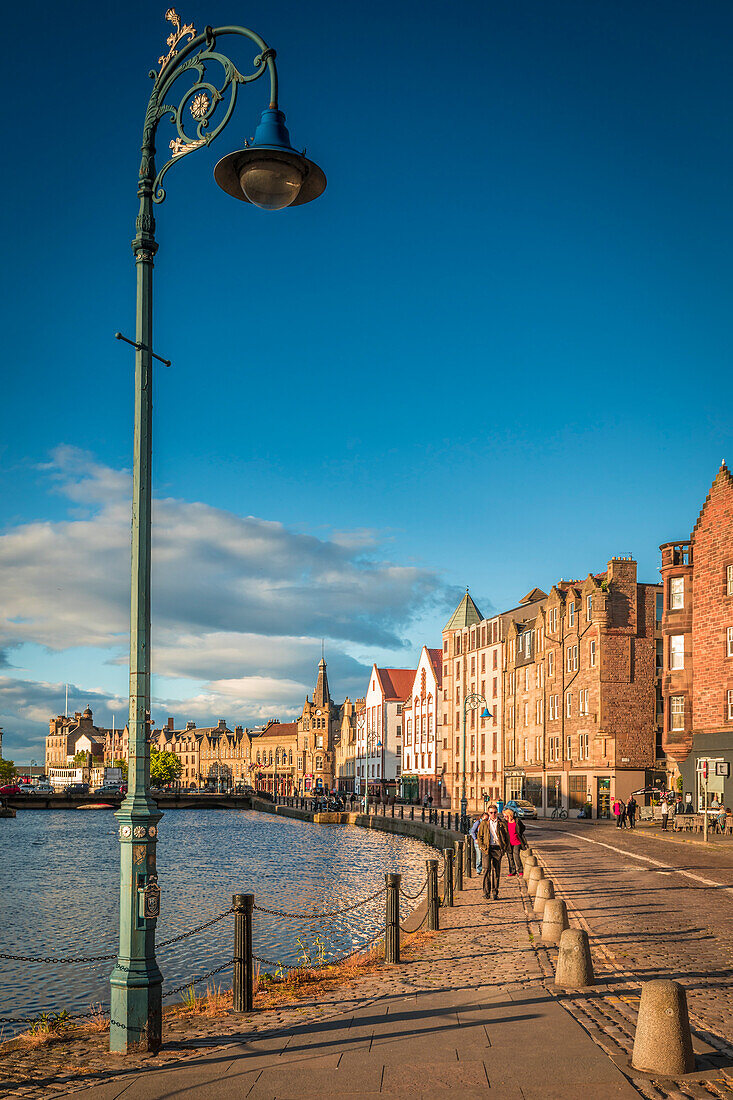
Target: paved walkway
468,1011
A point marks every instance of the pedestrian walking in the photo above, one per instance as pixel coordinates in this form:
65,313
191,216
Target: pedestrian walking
617,812
493,840
622,814
665,814
631,811
515,828
473,833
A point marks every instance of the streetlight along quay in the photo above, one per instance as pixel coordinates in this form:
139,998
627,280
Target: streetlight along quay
473,700
269,173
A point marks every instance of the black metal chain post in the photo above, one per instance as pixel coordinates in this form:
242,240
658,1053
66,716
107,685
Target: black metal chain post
466,853
448,896
243,991
432,869
392,918
412,813
402,813
458,864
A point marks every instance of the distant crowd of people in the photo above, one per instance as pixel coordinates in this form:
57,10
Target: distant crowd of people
720,817
625,812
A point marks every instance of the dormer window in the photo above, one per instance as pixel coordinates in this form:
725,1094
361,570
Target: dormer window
571,613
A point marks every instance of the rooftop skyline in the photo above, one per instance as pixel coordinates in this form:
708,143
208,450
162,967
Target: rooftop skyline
493,353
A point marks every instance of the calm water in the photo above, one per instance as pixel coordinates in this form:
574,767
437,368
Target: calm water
59,891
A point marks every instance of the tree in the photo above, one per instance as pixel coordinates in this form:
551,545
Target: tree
122,765
164,766
7,771
80,759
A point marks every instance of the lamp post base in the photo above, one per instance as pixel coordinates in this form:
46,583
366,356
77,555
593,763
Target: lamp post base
464,815
136,981
136,1010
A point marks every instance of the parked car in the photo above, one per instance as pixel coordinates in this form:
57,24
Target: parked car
76,788
109,788
10,789
25,788
522,807
42,788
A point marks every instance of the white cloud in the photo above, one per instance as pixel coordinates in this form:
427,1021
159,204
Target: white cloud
239,603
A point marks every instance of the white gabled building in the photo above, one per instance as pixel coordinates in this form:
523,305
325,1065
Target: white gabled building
379,735
421,744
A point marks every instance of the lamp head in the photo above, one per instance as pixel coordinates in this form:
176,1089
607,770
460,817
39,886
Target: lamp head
485,713
269,173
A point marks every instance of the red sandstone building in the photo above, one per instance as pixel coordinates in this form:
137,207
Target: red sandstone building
697,629
580,703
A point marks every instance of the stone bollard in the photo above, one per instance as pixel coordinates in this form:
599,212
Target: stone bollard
545,893
554,920
574,968
528,862
534,877
663,1043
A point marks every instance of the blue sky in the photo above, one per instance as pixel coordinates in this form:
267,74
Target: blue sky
495,352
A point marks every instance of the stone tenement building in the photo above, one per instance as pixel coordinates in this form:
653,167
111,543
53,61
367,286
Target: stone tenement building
212,755
580,703
67,736
697,628
274,758
473,663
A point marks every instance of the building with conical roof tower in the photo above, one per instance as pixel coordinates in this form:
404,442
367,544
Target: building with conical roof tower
472,662
465,615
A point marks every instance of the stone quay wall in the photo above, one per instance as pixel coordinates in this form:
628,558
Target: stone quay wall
430,833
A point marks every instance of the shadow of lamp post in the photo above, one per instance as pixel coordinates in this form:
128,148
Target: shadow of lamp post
268,173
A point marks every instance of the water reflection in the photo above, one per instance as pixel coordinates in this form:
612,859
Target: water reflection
59,884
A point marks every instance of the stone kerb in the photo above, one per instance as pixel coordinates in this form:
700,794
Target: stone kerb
663,1042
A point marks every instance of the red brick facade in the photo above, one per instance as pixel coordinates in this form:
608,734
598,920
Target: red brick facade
698,636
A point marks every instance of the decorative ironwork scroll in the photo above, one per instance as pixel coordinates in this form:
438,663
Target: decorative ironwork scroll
203,110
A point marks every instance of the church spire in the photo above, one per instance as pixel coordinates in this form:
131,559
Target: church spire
321,695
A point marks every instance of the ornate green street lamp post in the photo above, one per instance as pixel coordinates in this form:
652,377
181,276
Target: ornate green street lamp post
473,700
269,173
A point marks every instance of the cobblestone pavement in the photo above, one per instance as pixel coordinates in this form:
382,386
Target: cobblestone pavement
473,1006
654,907
467,1010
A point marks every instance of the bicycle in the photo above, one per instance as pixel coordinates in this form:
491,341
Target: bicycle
559,812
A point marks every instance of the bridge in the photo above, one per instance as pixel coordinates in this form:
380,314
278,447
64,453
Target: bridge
169,800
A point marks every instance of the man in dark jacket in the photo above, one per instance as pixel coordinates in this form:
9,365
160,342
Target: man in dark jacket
631,812
493,840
